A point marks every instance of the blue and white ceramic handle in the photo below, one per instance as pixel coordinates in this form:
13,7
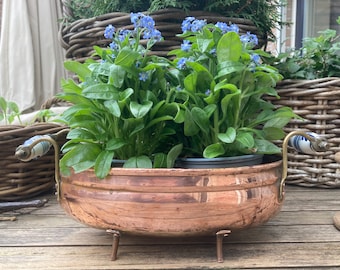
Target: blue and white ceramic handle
303,142
26,152
38,146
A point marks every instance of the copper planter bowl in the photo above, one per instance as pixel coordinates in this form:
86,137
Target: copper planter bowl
174,202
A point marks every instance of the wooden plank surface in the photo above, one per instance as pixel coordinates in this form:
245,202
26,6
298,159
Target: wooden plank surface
301,236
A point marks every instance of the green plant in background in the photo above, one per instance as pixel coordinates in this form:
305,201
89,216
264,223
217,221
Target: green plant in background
9,110
82,9
264,13
121,106
319,57
221,81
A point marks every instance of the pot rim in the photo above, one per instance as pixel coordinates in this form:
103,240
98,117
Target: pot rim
192,171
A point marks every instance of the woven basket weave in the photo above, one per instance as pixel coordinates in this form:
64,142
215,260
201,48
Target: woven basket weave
21,180
318,102
79,37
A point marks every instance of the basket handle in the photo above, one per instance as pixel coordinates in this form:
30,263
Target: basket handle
317,144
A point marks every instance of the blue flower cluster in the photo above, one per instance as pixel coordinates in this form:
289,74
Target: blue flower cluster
195,25
227,28
181,64
191,24
141,21
109,31
142,24
144,28
250,39
186,45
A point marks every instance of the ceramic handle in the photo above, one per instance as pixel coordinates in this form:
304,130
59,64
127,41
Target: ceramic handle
315,142
26,152
36,146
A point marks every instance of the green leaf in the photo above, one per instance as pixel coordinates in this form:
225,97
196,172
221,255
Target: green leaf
205,41
190,127
273,133
83,166
158,120
138,162
180,116
173,155
266,147
79,109
78,68
117,75
123,96
133,125
200,80
126,57
190,82
3,104
230,106
64,170
115,144
81,152
224,85
156,108
74,98
13,107
213,150
245,139
280,117
140,110
159,160
101,91
210,109
79,134
201,119
199,68
113,107
229,48
103,164
229,67
229,136
278,122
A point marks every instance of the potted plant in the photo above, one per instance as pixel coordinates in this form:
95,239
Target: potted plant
148,110
222,81
85,21
311,87
121,107
145,109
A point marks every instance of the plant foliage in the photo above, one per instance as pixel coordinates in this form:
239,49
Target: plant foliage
148,110
222,81
120,107
319,57
9,110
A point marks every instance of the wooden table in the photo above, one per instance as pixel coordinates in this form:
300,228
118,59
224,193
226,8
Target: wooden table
301,236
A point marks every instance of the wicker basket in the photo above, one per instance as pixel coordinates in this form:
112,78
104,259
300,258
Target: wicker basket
318,102
79,37
21,180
